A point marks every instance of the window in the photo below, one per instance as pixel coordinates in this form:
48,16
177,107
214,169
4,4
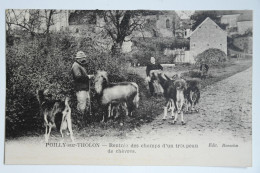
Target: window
167,23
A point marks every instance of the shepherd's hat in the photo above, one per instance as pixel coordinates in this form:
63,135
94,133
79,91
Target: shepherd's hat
80,54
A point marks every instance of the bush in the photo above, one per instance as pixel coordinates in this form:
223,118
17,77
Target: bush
147,47
45,63
211,57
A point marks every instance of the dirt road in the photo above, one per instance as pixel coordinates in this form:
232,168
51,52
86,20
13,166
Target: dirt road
225,110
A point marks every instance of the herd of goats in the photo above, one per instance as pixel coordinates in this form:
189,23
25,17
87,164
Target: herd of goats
179,94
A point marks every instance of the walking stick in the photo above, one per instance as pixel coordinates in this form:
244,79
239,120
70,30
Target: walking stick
90,111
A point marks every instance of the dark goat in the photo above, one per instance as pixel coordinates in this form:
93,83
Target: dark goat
55,113
192,93
174,94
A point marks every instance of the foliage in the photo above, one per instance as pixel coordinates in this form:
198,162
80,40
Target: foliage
144,48
211,57
119,24
42,63
192,74
199,16
230,42
31,20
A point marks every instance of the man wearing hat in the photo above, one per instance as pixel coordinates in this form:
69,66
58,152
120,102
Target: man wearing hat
81,82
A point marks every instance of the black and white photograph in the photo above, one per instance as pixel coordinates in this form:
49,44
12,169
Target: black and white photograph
129,87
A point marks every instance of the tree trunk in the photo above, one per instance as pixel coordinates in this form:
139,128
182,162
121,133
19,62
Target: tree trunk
49,22
116,48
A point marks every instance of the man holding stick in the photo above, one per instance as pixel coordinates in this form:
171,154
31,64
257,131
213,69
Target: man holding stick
81,83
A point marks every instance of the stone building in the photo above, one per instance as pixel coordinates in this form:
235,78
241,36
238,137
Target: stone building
207,35
238,21
60,21
230,20
245,22
159,24
244,26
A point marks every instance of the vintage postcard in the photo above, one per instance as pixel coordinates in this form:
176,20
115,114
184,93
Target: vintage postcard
129,87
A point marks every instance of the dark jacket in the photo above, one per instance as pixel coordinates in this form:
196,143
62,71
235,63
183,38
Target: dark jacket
151,66
81,79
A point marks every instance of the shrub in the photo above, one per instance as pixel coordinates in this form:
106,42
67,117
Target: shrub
42,63
147,47
211,57
191,74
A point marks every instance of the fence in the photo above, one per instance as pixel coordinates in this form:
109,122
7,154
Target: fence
181,55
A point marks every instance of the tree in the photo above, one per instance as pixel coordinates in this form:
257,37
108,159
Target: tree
26,19
119,24
32,21
49,19
199,16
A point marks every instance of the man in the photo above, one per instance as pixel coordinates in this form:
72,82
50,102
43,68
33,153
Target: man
204,68
152,66
81,82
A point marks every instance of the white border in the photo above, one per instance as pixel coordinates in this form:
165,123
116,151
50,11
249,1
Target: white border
136,4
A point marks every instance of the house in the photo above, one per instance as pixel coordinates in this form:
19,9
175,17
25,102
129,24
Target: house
158,24
245,22
238,21
60,21
230,20
207,35
183,29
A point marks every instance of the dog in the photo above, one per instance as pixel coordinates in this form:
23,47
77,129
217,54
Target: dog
55,113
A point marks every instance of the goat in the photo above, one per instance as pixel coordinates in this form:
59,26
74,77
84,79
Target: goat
110,93
174,94
55,113
192,93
